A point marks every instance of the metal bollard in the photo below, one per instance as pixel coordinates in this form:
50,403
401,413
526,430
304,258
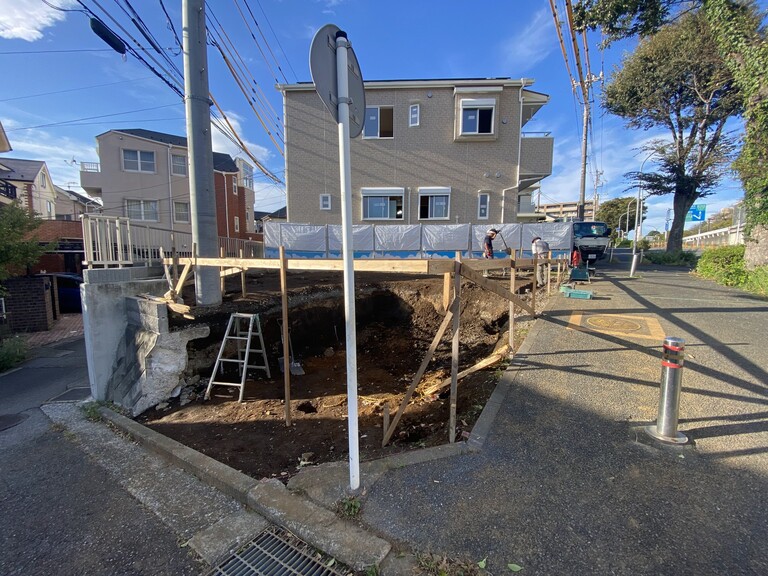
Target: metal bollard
669,397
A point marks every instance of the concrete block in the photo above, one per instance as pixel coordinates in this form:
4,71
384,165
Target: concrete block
219,541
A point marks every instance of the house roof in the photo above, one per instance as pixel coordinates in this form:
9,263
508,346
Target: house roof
20,170
258,215
77,196
221,162
422,83
280,213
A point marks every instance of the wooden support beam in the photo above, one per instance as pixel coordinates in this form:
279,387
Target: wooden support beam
286,342
494,358
446,290
494,287
534,288
512,289
221,269
242,277
419,373
182,279
455,349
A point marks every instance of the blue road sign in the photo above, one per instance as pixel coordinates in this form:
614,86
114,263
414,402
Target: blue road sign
697,213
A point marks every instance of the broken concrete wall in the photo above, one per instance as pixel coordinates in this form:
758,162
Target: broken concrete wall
133,358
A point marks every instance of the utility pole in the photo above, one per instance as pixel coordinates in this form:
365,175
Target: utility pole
202,193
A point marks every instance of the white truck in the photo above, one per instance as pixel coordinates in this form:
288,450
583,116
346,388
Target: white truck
591,239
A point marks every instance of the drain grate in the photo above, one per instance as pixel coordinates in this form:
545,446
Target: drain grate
276,552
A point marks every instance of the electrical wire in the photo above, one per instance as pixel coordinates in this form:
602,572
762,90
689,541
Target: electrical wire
277,39
73,89
91,118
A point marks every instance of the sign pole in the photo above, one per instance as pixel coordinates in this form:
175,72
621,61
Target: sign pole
345,177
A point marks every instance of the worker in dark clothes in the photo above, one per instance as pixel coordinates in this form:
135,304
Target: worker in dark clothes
488,242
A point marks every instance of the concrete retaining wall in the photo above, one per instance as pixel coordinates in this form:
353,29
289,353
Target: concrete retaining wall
133,358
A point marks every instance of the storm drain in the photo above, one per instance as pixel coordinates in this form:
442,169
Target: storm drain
276,552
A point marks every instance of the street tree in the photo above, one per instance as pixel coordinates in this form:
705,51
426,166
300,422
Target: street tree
741,41
676,80
619,211
19,246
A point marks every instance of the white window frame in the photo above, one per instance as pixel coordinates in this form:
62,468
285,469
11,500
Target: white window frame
414,115
49,207
234,186
483,204
139,161
237,224
142,204
390,194
378,135
433,192
477,104
43,180
176,213
325,201
175,166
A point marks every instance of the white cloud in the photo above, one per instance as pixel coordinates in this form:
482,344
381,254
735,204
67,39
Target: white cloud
222,144
530,46
269,197
26,19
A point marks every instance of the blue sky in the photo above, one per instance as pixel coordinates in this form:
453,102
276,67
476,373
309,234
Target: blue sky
63,86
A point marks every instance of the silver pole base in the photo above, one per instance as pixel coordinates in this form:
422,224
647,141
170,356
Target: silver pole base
678,438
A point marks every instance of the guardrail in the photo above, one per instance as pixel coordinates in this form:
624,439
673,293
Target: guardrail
111,241
729,236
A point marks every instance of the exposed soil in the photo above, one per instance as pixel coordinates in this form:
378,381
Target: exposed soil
397,318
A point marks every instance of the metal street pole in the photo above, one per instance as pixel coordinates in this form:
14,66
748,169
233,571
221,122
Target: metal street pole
345,178
638,222
202,194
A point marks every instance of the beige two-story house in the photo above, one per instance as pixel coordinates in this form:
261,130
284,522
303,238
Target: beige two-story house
143,175
431,151
29,183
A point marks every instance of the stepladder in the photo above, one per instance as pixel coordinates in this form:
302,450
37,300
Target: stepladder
242,346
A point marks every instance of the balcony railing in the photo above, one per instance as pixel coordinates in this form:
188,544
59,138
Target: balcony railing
8,190
90,167
116,241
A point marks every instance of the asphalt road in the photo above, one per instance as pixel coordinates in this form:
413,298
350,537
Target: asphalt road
61,512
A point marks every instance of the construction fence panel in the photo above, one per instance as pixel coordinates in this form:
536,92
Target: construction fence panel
362,239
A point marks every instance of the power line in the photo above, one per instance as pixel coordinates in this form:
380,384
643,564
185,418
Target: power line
92,117
74,89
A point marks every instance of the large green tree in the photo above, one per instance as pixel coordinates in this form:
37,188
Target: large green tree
19,247
741,41
619,211
677,81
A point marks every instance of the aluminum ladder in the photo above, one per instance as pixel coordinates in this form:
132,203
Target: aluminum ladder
241,329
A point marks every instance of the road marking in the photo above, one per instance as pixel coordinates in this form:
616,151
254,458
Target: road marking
646,328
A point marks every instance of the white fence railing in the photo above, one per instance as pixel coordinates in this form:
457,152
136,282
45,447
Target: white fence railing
729,236
116,241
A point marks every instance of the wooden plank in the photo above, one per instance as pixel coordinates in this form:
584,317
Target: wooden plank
286,342
242,277
512,290
494,287
535,286
455,350
494,358
180,284
166,269
419,373
446,290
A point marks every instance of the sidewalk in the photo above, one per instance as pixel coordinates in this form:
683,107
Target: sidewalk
65,327
567,481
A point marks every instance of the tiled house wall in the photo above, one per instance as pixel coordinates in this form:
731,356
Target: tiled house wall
420,156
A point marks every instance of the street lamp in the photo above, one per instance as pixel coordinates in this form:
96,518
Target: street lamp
638,220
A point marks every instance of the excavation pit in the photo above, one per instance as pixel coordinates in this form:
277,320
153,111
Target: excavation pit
396,322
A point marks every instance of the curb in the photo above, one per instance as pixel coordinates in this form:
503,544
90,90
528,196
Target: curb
315,524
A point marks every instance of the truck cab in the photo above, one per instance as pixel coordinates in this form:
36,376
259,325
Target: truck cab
591,239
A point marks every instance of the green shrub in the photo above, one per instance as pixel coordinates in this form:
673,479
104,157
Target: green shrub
679,258
724,265
757,281
13,350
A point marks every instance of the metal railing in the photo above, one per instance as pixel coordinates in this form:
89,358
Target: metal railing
729,236
90,167
111,241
